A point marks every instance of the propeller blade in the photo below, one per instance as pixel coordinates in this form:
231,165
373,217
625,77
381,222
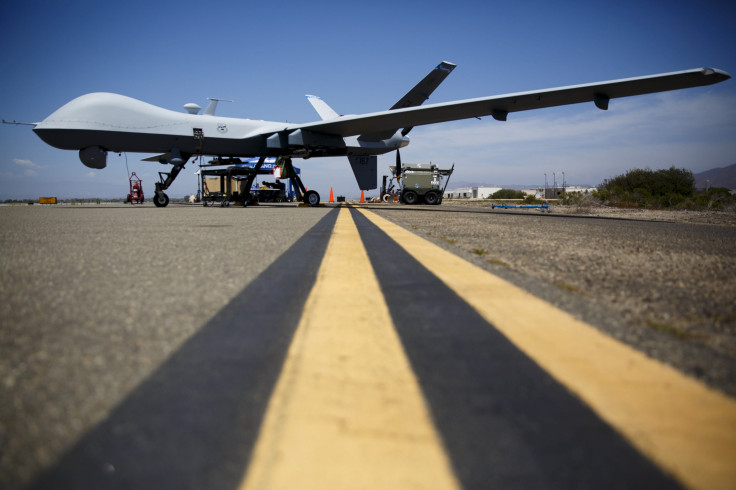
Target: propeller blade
398,165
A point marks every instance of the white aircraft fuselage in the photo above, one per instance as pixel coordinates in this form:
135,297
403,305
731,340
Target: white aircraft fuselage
118,123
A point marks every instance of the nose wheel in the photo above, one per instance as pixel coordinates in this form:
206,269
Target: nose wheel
161,200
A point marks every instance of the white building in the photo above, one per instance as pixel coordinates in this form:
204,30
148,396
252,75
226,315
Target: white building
471,192
556,192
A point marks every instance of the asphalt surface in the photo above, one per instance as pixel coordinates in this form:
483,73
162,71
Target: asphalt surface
157,336
95,299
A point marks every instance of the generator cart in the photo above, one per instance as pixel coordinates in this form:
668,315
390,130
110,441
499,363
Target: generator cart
422,183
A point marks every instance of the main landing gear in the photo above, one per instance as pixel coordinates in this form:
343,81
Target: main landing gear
311,198
302,194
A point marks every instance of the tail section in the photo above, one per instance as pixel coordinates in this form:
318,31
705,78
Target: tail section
365,167
324,111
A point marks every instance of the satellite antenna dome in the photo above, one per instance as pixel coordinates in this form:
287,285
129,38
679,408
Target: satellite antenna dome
192,108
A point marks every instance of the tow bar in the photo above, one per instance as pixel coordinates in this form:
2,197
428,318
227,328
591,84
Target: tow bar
542,207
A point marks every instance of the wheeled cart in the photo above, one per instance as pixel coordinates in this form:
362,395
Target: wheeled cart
136,190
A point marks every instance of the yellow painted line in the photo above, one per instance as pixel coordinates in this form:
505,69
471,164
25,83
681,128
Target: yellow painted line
347,411
686,428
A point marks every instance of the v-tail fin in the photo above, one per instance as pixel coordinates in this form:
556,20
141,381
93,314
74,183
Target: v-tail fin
325,112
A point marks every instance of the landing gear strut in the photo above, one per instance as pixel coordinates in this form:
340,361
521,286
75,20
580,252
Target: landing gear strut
160,199
302,194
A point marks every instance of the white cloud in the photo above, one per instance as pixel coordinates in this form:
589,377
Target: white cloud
25,163
91,174
30,173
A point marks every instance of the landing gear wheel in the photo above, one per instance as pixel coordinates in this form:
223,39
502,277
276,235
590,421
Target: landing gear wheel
410,197
161,200
311,198
431,198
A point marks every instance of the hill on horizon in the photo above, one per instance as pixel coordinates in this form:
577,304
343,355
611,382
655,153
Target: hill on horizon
717,177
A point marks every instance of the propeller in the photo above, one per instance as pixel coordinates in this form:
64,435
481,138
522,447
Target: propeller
398,166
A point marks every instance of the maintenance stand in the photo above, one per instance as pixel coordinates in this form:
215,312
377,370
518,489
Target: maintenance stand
245,174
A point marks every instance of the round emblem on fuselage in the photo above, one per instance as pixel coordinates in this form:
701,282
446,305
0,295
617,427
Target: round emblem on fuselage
222,128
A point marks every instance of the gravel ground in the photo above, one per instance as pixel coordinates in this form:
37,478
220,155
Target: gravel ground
661,281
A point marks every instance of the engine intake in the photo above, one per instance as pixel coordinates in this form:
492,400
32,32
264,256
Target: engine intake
93,157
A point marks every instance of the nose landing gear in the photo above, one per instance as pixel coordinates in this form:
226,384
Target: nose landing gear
160,199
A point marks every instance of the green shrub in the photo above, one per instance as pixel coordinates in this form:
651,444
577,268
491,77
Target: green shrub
507,194
575,197
714,198
649,188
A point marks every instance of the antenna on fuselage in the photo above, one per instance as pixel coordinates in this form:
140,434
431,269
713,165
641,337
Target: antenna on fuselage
192,108
210,111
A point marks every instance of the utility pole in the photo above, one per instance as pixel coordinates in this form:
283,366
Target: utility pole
563,182
545,186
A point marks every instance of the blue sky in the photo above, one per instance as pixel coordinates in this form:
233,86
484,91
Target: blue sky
362,57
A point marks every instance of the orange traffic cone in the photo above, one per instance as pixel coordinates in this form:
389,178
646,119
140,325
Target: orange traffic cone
332,197
362,196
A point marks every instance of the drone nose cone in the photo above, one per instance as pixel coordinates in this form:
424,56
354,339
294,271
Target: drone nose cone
404,142
48,135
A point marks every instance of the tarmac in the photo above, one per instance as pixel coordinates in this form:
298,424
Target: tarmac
276,346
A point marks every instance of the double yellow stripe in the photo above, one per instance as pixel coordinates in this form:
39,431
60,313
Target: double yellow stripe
347,411
688,429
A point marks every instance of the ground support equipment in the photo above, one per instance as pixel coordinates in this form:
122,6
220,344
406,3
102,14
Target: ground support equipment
542,207
225,195
421,183
136,189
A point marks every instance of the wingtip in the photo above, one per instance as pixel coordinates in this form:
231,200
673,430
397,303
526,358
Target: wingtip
446,66
723,75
